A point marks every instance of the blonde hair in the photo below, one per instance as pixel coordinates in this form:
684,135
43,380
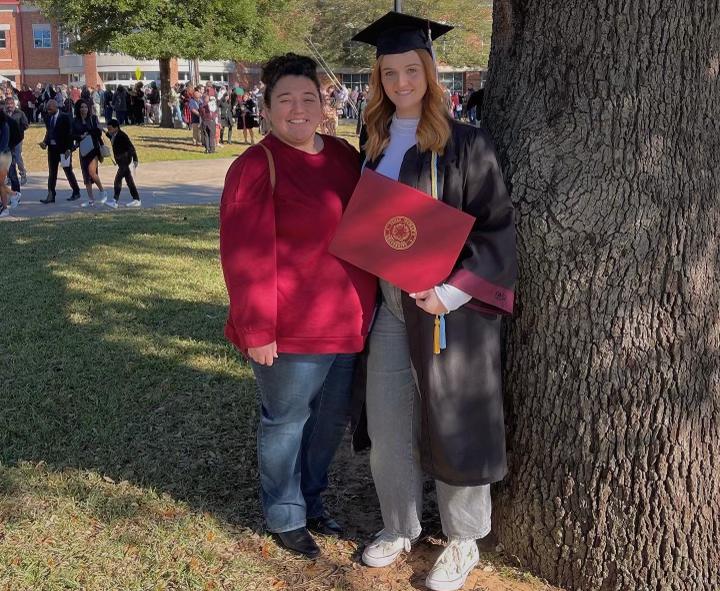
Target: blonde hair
433,132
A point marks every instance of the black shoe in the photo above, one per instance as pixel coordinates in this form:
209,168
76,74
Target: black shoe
300,541
48,199
74,197
324,525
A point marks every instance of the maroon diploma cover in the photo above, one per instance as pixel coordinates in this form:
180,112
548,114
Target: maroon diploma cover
400,234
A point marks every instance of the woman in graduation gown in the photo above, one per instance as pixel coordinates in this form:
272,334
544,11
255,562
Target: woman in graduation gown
441,414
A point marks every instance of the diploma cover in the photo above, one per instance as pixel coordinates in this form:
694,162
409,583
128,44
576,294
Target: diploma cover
400,234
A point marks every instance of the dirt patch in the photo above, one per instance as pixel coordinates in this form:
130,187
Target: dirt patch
351,499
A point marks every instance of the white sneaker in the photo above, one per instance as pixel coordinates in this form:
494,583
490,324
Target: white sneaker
112,203
103,197
15,199
4,212
453,566
385,549
134,203
87,204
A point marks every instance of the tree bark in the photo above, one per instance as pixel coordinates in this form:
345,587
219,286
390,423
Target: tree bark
606,116
166,113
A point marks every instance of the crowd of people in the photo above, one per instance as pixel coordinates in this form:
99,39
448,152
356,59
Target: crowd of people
71,117
210,111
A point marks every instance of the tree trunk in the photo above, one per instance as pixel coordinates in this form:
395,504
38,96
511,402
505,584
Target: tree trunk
606,116
166,118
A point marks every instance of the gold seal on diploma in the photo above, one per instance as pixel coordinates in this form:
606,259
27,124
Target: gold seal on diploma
400,233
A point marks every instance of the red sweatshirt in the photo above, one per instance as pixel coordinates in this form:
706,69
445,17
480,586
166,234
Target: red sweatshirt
283,284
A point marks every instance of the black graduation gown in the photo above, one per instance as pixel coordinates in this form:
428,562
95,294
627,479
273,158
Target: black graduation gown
463,430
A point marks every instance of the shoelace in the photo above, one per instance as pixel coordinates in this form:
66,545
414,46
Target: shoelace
385,541
452,556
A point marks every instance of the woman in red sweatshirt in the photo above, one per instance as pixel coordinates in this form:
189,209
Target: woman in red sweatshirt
296,311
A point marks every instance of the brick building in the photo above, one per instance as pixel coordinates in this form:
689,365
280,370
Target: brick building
32,49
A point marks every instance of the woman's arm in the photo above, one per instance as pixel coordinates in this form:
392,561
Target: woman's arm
247,250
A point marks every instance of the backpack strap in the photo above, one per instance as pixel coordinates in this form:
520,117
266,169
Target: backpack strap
271,164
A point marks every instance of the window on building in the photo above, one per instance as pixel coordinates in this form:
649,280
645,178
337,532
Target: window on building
214,76
353,80
64,41
42,36
453,81
3,39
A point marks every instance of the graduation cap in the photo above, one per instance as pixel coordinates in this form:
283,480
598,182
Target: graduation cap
397,32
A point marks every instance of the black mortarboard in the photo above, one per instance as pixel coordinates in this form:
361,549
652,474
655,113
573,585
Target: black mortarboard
397,33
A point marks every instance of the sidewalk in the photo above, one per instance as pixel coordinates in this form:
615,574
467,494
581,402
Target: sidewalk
183,182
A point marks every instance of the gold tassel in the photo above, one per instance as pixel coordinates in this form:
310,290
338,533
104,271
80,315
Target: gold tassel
436,336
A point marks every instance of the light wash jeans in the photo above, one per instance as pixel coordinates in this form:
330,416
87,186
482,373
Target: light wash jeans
305,409
394,426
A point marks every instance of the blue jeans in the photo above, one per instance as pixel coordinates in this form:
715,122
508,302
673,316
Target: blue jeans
305,408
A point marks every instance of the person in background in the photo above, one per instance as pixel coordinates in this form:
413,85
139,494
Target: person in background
354,94
475,103
22,123
136,104
96,99
260,101
59,142
87,136
226,118
154,100
120,104
49,93
361,104
209,119
329,121
5,159
108,97
39,105
27,102
246,112
194,106
124,153
75,94
174,104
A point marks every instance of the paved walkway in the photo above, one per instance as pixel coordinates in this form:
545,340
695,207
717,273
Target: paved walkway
182,182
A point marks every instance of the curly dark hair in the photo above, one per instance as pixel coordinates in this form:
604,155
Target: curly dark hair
290,64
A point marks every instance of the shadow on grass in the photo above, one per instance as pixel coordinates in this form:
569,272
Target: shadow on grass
114,361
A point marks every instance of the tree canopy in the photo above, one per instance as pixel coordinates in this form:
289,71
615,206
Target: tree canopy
468,44
247,30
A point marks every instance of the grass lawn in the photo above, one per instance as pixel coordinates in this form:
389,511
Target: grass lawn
127,424
156,144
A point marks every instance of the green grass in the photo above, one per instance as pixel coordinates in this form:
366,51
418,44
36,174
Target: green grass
127,423
155,144
115,370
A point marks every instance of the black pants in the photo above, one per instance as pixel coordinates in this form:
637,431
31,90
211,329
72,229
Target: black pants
13,175
53,163
124,173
